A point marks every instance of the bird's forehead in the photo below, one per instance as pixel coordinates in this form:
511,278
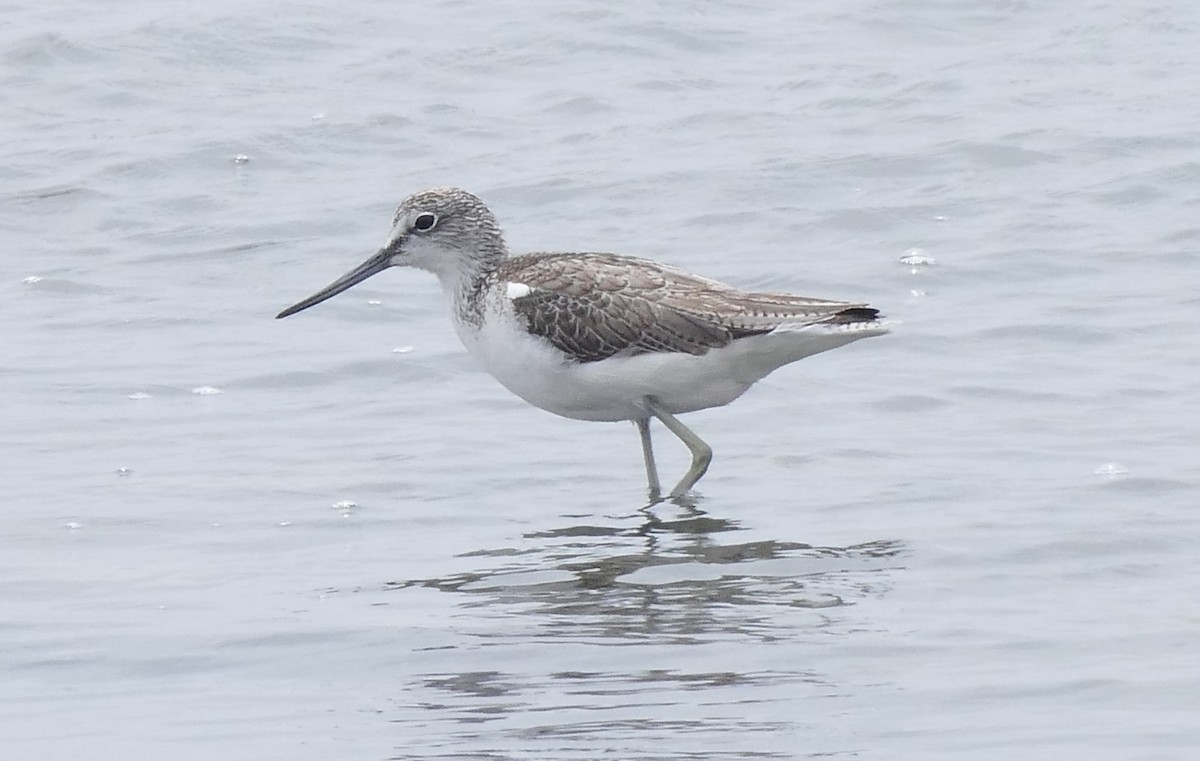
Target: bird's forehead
441,201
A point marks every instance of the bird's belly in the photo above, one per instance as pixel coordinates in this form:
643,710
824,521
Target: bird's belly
615,388
606,390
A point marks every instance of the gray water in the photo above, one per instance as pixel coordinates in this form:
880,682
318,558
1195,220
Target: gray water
333,536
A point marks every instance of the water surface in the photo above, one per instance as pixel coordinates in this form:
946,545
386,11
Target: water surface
334,536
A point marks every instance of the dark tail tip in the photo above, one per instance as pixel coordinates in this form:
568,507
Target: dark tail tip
855,314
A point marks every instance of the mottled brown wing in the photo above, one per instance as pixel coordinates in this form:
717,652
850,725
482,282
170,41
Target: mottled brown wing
598,325
594,306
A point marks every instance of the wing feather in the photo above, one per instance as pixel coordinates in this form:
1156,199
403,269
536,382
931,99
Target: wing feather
595,306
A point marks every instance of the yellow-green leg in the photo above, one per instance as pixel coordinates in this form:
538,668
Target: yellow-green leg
643,428
701,452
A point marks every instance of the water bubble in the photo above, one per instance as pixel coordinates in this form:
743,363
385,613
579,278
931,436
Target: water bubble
345,507
123,472
1111,469
241,158
206,390
916,258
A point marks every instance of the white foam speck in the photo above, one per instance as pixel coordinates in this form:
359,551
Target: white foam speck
916,258
241,158
73,525
124,472
136,395
516,290
284,524
345,507
318,117
32,280
206,390
402,350
1111,469
374,302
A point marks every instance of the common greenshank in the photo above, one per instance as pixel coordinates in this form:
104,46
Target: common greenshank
604,337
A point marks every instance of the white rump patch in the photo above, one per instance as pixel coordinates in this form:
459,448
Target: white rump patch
517,290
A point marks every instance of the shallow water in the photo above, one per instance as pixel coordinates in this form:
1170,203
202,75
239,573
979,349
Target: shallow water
333,536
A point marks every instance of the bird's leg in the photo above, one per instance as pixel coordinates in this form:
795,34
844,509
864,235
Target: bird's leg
701,452
643,427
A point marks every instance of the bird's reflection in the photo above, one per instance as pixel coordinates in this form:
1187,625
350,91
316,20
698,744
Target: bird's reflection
670,571
697,616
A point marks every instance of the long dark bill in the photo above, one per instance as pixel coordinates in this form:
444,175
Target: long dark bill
373,266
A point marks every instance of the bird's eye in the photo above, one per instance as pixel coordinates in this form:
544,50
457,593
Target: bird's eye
425,222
